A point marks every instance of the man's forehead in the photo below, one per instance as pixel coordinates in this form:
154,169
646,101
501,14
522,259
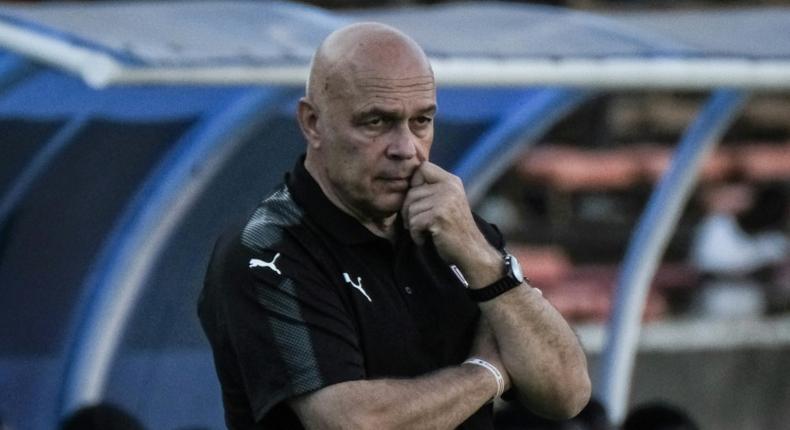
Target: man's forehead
417,95
361,90
408,87
420,86
395,106
418,82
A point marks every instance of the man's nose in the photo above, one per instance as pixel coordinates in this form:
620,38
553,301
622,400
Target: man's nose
404,144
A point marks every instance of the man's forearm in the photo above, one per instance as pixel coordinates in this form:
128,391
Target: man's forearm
546,363
443,399
540,351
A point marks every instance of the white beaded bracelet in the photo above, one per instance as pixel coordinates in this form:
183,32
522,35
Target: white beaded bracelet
500,381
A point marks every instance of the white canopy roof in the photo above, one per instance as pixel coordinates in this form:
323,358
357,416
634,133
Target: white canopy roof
477,43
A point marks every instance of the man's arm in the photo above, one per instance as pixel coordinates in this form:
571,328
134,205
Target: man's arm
539,350
443,399
440,400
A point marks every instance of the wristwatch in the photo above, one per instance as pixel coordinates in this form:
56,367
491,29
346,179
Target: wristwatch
512,279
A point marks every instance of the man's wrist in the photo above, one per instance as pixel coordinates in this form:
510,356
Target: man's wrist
493,371
487,268
511,278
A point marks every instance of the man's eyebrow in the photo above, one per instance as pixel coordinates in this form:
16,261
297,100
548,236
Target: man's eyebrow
369,111
374,110
430,110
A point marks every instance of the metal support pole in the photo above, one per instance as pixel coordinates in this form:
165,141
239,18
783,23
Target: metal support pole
648,243
494,150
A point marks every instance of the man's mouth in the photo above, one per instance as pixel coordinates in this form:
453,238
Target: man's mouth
397,182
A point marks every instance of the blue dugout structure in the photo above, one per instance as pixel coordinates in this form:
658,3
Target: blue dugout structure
110,200
110,217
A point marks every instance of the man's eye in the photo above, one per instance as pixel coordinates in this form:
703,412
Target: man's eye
423,120
374,123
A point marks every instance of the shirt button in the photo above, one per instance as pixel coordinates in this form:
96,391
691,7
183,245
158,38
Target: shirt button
408,290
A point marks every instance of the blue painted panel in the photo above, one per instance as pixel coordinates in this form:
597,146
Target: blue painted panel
49,244
13,68
475,104
22,138
51,94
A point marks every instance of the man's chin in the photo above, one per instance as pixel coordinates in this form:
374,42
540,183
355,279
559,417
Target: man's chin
388,205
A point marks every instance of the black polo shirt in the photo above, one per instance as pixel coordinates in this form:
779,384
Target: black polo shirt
303,296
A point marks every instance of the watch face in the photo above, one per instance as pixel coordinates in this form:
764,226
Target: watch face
515,268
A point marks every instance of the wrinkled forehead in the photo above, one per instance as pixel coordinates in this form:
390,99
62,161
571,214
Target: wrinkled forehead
417,85
404,95
409,84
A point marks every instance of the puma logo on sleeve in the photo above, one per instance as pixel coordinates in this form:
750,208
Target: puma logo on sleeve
268,264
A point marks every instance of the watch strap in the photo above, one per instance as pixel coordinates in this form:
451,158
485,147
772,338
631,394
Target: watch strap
493,290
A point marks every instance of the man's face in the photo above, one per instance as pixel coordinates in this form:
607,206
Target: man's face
377,128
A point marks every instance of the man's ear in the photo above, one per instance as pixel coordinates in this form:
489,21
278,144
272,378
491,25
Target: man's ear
307,115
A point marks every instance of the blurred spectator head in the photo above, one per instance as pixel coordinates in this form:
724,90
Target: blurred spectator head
658,416
728,197
101,417
769,210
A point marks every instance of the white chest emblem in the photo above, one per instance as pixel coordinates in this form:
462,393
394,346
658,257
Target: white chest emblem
358,285
270,264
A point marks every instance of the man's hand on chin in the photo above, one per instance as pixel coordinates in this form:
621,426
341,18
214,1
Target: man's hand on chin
436,206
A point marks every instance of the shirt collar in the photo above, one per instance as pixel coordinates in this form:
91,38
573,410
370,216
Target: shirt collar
322,211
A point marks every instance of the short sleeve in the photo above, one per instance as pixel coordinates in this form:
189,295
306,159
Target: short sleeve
290,330
490,232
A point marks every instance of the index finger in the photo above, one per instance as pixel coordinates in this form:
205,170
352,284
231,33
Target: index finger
417,178
429,173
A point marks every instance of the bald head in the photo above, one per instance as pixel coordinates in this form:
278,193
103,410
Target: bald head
363,50
368,119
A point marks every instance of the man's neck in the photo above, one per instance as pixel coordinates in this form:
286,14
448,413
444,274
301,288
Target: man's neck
384,228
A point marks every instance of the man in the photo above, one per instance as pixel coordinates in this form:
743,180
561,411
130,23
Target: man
341,302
